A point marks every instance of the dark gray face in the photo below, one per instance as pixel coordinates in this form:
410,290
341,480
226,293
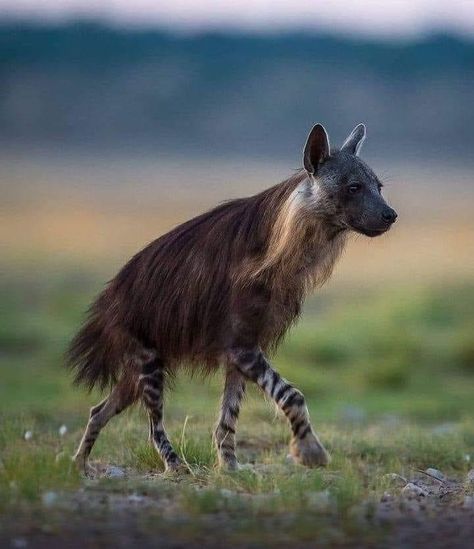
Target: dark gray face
350,190
355,191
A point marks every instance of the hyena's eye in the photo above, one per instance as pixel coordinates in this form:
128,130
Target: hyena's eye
355,188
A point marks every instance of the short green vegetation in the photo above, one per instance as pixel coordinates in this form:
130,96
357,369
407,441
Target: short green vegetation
389,379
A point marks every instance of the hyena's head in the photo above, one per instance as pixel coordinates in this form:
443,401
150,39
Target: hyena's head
347,191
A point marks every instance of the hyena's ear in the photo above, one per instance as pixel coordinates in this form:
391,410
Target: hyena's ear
316,150
354,142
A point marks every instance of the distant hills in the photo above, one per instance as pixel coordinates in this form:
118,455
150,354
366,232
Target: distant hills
85,86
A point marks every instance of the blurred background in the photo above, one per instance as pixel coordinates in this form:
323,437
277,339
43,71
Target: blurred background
119,120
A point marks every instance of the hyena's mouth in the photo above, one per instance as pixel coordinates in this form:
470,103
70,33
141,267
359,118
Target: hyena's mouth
372,232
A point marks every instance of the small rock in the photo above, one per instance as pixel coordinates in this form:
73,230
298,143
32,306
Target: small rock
114,472
396,479
227,493
48,499
135,498
467,458
470,476
62,430
435,473
19,543
412,491
28,435
386,497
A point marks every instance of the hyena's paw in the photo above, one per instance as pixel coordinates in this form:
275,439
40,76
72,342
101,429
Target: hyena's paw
84,467
229,465
175,468
309,451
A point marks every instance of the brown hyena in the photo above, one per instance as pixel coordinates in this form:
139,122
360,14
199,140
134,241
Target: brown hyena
222,289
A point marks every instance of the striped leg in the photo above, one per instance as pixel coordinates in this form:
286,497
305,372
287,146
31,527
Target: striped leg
305,446
152,383
224,434
100,415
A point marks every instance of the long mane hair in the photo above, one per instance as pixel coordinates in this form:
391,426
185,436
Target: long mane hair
235,274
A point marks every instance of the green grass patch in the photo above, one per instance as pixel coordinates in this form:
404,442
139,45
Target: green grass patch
29,468
388,378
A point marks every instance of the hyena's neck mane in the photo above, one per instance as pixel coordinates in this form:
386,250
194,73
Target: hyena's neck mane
240,270
299,245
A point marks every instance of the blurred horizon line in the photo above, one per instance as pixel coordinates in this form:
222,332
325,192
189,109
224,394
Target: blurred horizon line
390,19
170,30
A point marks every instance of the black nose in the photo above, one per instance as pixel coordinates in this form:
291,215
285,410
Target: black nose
389,215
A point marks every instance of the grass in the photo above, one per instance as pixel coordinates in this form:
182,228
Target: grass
388,375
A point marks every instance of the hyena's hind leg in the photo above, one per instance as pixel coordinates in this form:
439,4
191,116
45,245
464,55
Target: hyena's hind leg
152,386
224,434
100,415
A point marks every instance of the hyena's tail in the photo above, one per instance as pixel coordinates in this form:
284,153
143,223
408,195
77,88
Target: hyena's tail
97,351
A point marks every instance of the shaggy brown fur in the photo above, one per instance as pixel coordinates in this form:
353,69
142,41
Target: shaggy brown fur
220,279
223,288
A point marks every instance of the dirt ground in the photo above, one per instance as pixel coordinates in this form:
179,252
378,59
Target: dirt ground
120,508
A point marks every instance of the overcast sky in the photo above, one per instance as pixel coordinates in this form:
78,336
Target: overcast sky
389,18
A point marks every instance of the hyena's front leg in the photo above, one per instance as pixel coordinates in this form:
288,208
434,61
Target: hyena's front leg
224,434
305,446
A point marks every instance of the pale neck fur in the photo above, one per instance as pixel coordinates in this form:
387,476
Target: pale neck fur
302,243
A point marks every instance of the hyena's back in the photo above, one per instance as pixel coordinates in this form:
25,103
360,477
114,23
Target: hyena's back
178,297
